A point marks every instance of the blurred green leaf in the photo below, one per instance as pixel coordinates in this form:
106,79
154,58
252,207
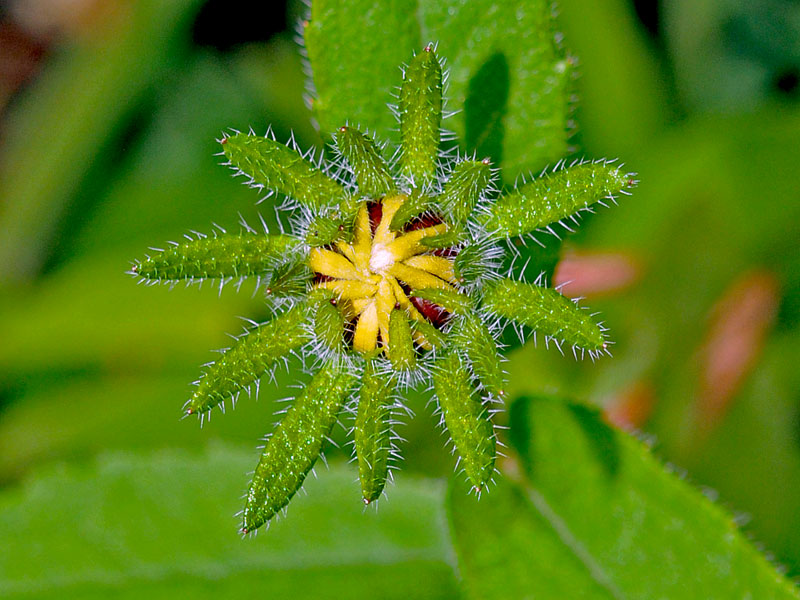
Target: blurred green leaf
626,525
508,80
623,88
63,123
163,525
506,549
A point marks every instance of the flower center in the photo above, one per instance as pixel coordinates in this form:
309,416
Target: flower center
378,271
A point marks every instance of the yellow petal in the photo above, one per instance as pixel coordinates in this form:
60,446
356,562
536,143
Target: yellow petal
390,205
385,302
417,278
438,265
350,290
362,239
365,338
332,264
409,244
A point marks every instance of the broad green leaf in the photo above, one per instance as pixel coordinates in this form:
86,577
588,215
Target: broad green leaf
508,78
632,527
356,49
162,525
506,549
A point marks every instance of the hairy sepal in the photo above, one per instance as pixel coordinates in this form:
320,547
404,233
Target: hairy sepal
401,344
371,171
277,167
372,431
555,196
295,445
545,311
249,358
471,335
221,257
329,325
467,420
464,188
450,300
415,205
420,109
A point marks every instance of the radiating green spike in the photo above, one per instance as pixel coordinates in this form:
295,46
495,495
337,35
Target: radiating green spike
221,256
282,169
289,280
295,445
469,264
329,325
434,337
444,240
546,311
555,196
472,335
421,116
248,359
328,228
401,344
450,300
372,172
416,204
466,185
372,431
466,418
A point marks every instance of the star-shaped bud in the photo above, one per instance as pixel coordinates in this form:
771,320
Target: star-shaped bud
389,276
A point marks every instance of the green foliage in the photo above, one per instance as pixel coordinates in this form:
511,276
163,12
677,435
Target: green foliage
221,256
556,196
597,504
471,335
127,526
465,187
451,300
401,345
467,420
547,311
248,359
329,325
372,431
292,450
275,166
371,171
420,108
499,56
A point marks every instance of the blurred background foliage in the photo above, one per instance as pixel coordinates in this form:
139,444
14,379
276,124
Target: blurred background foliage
109,114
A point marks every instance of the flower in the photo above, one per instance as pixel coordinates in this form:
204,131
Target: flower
390,276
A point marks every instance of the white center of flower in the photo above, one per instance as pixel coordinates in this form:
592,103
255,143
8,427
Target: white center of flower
372,274
380,259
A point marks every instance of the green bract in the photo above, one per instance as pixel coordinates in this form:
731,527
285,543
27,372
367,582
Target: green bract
388,277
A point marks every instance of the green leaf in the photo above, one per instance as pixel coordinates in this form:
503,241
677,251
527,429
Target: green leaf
372,431
278,167
250,357
420,109
220,256
363,156
295,445
500,56
626,524
506,549
556,197
547,312
162,526
466,416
